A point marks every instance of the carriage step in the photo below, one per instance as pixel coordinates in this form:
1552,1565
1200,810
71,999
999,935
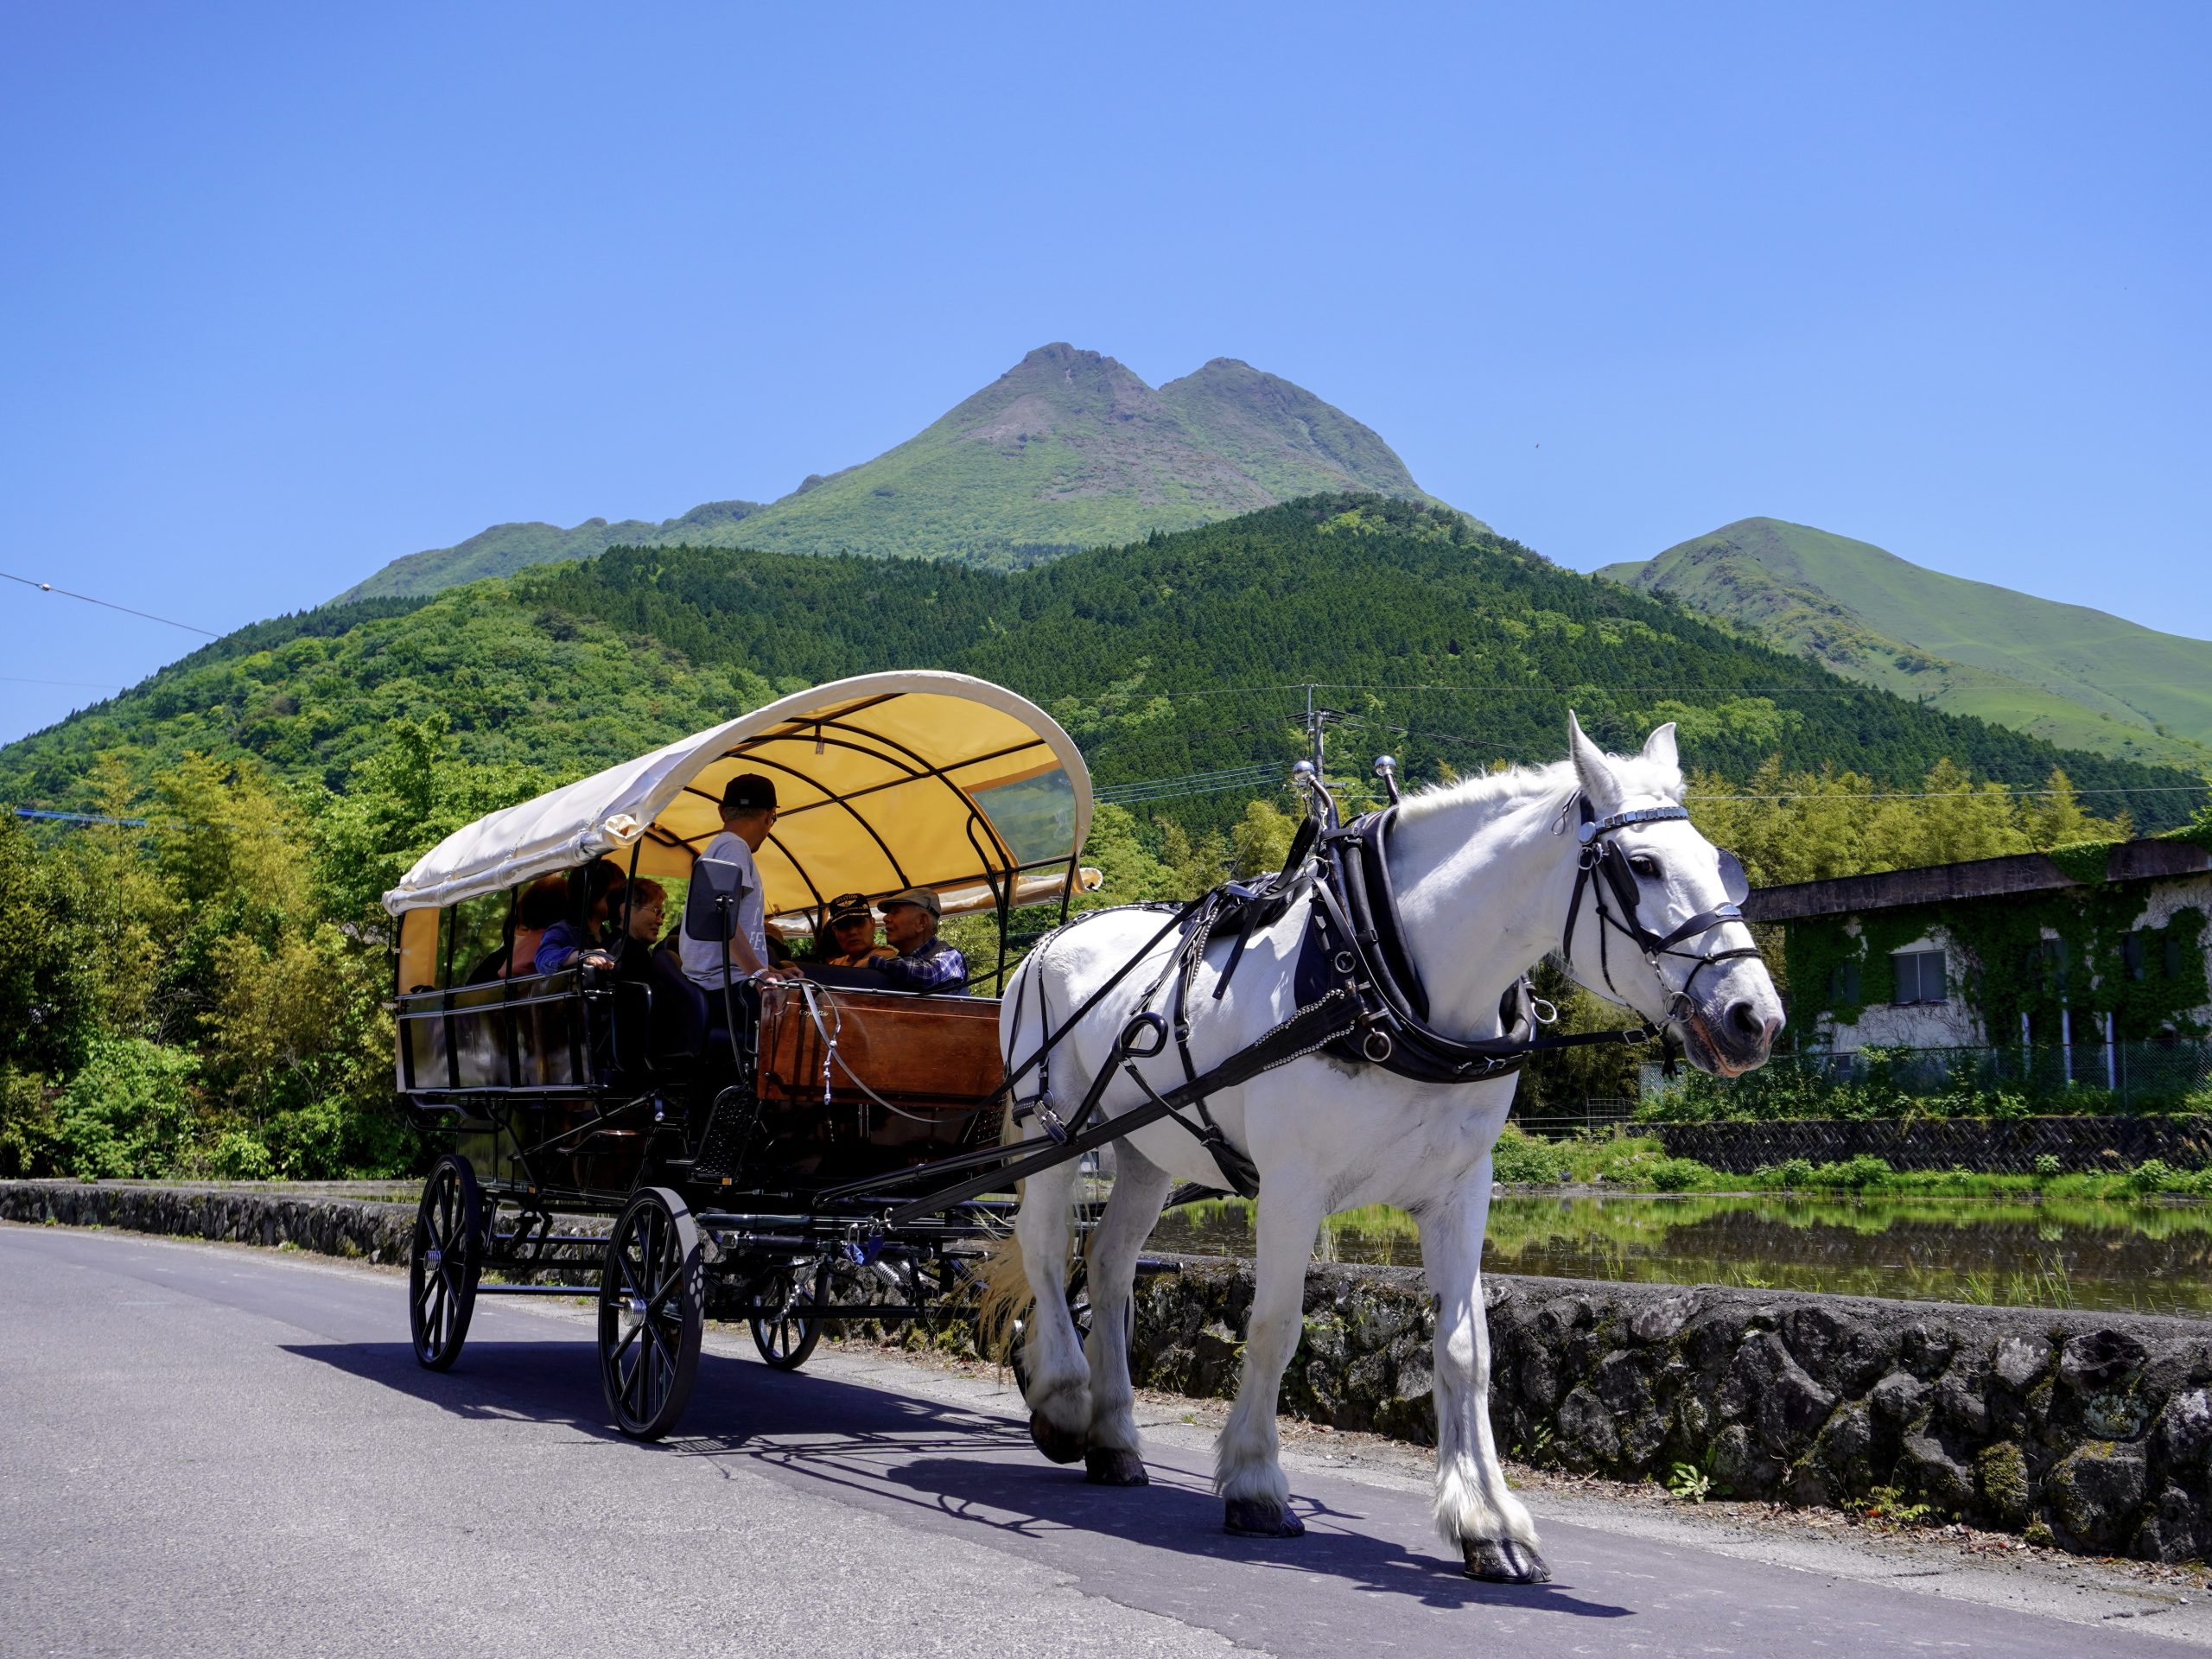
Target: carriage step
723,1144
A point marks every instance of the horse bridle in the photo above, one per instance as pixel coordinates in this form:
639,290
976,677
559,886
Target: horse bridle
1603,860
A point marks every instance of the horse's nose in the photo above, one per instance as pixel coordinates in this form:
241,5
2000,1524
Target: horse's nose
1748,1023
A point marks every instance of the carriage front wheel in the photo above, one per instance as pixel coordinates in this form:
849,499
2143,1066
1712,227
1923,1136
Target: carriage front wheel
651,1306
444,1259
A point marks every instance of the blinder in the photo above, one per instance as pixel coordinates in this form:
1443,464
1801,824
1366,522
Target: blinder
1733,881
1599,853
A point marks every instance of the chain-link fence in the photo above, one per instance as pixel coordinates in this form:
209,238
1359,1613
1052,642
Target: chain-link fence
2015,1080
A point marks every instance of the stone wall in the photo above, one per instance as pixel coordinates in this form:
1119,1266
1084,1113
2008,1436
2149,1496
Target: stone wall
2092,1432
1989,1146
2088,1431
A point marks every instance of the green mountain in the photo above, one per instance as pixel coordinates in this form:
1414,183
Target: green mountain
1171,657
1066,449
505,548
2072,676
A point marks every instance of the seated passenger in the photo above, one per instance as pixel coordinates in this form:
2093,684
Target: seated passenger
593,892
648,899
852,933
923,962
541,905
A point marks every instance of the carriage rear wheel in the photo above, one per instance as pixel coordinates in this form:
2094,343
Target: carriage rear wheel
651,1306
784,1338
444,1259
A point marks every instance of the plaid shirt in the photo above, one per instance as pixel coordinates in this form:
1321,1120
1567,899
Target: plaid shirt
935,966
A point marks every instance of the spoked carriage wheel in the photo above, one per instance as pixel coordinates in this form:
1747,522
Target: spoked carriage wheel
443,1260
784,1339
651,1305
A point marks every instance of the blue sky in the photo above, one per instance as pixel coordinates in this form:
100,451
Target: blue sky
290,291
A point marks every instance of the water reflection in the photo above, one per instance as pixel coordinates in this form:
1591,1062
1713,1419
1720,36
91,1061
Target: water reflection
2146,1258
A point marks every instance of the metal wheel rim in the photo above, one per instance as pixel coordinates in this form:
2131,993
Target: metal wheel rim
441,1264
785,1340
648,1318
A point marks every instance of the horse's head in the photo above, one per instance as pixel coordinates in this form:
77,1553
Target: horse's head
1653,925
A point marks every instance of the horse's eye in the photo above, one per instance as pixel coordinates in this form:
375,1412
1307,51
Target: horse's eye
1644,865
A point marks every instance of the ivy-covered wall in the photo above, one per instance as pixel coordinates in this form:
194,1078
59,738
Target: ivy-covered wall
2136,950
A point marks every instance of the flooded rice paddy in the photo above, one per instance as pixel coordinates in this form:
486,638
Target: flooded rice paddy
2093,1256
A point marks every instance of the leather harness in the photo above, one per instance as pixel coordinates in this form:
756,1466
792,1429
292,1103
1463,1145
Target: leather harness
1359,995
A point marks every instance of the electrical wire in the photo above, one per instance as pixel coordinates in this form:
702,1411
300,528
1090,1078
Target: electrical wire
166,621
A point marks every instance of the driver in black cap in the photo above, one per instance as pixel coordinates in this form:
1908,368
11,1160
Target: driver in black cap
748,813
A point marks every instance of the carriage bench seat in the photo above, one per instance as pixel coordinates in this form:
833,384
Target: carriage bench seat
939,1051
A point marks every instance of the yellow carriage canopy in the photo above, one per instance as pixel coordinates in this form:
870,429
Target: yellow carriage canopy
883,782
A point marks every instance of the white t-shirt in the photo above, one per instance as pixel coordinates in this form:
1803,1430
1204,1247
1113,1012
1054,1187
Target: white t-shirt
703,958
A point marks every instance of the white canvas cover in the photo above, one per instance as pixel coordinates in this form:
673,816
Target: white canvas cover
884,781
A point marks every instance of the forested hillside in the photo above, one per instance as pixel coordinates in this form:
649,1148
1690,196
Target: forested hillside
1182,654
194,986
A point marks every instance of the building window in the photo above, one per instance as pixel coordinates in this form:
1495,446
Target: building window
2132,955
1919,976
1843,984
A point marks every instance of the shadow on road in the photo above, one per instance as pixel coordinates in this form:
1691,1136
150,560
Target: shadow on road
960,1467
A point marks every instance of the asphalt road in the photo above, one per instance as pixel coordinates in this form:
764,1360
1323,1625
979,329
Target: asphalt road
214,1451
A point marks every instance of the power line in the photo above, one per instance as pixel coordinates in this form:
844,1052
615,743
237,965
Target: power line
87,685
170,622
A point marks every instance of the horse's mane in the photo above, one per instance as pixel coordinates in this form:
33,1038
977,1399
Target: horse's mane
1553,784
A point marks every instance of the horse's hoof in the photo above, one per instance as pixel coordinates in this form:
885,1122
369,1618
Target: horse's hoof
1102,1467
1260,1517
1505,1561
1060,1444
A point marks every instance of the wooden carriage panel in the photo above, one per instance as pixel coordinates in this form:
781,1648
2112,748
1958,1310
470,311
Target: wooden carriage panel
920,1052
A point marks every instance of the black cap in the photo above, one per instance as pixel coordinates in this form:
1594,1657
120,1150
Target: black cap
749,792
848,906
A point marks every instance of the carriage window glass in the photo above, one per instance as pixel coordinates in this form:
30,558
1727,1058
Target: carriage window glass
1035,817
1919,976
480,935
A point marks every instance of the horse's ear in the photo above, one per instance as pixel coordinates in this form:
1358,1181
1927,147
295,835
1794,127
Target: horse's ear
1591,766
1659,747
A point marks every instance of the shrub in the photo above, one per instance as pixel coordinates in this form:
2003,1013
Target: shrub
1852,1174
1673,1174
2152,1175
1520,1157
2048,1167
1795,1171
127,1111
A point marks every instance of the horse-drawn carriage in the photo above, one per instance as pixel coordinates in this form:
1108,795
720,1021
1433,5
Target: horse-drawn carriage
1345,1030
754,1156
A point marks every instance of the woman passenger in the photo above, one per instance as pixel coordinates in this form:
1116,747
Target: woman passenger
540,906
594,891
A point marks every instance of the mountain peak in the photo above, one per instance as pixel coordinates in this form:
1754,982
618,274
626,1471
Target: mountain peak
1067,448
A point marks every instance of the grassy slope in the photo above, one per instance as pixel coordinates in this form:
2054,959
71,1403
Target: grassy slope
1175,655
505,548
1066,449
2075,675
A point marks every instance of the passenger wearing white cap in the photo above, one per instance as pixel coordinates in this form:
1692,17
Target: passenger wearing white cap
925,961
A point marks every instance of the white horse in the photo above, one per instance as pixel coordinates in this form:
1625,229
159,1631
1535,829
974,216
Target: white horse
1485,875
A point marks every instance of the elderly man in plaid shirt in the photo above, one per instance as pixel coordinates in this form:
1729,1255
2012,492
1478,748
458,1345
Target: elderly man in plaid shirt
925,961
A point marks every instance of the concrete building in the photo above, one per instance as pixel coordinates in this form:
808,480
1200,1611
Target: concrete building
2073,956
